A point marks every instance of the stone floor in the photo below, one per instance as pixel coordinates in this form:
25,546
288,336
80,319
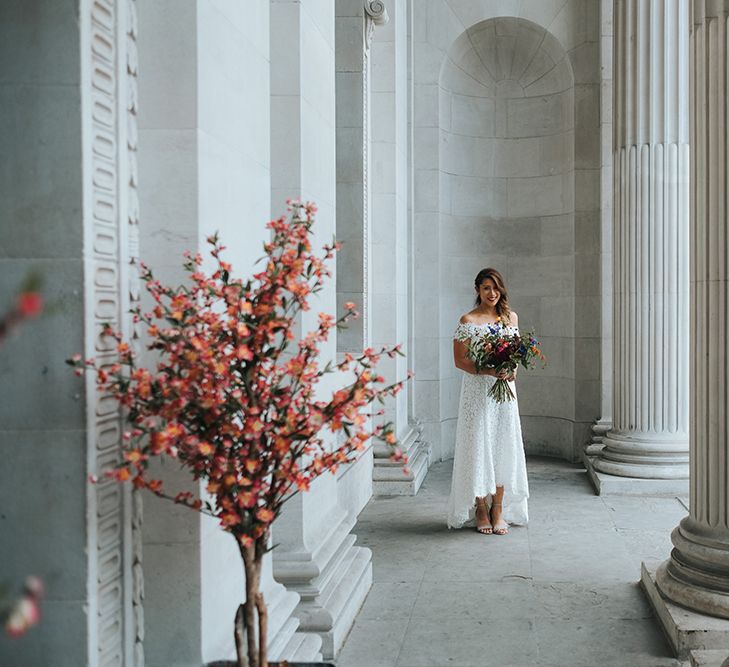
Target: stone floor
561,592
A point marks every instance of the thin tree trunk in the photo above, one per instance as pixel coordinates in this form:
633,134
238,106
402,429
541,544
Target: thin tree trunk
240,645
253,579
263,629
260,551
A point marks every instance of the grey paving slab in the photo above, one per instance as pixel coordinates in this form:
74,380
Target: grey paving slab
590,602
491,567
389,601
650,545
373,643
560,592
514,598
608,643
645,513
468,643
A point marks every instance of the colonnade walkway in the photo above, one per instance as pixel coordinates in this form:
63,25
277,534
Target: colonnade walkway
561,592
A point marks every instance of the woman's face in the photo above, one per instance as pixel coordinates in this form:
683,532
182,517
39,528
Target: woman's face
489,293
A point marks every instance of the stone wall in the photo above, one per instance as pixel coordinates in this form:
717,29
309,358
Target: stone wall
507,201
507,174
43,435
68,84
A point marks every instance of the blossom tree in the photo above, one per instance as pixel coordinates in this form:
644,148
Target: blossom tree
234,396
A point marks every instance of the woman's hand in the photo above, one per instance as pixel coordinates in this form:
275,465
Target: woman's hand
507,375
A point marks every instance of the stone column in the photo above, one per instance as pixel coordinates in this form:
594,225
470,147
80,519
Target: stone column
697,574
649,436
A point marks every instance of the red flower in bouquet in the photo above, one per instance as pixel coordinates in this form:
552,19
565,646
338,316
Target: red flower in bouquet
234,404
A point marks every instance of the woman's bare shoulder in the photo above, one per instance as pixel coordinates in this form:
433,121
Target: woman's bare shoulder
468,318
513,318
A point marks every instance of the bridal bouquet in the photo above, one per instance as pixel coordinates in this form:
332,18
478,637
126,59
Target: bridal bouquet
494,348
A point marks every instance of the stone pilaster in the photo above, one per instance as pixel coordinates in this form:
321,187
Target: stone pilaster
697,574
649,435
604,424
315,554
388,242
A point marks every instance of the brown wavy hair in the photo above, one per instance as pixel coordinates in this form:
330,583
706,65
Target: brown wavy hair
502,306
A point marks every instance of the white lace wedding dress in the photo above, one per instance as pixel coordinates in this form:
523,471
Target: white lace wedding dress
489,449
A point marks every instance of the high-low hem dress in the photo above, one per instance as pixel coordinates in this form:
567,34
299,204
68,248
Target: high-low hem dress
489,449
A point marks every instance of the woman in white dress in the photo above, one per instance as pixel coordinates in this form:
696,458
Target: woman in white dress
489,481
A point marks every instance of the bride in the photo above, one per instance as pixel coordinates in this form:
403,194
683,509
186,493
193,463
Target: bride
489,470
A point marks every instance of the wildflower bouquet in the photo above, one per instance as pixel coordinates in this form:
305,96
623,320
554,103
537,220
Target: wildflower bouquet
493,347
234,405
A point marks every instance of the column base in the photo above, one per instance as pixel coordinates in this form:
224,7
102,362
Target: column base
333,583
592,449
709,659
286,642
599,429
686,630
642,455
389,478
697,573
616,485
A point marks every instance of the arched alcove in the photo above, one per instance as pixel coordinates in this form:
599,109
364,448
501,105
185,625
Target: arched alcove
506,186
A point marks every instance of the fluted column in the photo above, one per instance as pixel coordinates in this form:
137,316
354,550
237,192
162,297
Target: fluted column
697,573
649,434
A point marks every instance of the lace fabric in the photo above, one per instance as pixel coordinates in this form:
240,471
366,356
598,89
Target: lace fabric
489,448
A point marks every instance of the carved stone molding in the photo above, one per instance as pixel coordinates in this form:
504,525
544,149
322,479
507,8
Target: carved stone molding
375,14
133,329
110,226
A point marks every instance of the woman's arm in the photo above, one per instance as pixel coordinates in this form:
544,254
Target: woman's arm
460,358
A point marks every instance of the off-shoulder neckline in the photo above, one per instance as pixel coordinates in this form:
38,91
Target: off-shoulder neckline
485,324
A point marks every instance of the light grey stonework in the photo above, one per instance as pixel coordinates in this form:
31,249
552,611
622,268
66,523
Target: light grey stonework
69,141
459,134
